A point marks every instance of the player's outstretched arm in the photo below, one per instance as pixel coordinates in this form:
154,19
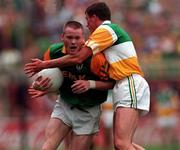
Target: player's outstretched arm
37,65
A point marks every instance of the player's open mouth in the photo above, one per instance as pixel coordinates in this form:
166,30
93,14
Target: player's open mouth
73,48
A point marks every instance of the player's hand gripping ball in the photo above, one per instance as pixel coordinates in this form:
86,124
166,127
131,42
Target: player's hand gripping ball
56,78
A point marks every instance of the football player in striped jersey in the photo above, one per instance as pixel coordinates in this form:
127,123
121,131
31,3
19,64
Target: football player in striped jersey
131,93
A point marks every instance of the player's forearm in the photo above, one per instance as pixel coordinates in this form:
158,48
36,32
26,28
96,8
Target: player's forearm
59,62
68,60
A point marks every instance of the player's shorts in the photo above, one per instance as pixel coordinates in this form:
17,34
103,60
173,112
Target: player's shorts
81,120
132,92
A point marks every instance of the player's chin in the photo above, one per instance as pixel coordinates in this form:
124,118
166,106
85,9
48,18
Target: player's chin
74,51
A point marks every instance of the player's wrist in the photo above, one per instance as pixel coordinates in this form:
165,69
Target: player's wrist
92,84
45,64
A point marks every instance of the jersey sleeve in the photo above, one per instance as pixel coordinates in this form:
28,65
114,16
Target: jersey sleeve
47,55
102,38
100,66
54,51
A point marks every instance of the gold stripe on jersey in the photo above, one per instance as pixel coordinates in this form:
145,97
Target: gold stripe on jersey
124,68
123,60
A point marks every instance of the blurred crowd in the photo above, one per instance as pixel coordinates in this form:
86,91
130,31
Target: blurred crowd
27,27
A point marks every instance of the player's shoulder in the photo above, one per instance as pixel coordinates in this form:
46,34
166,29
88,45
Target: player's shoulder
112,26
56,46
107,28
107,25
56,50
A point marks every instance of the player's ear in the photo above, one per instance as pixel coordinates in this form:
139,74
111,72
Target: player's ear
61,37
94,17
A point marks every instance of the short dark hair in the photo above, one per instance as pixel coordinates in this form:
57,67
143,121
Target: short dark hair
100,9
74,25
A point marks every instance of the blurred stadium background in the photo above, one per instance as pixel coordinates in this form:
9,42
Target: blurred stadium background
27,27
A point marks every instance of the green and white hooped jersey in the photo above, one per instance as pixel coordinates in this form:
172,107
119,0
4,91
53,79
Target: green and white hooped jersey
118,48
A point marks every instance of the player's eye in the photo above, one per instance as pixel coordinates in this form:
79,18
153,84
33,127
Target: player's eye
69,37
77,37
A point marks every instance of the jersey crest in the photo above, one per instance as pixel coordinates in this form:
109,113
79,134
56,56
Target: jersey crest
79,67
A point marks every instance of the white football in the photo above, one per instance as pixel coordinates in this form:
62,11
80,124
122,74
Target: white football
56,77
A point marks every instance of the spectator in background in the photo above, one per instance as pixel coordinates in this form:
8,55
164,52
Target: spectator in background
166,108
